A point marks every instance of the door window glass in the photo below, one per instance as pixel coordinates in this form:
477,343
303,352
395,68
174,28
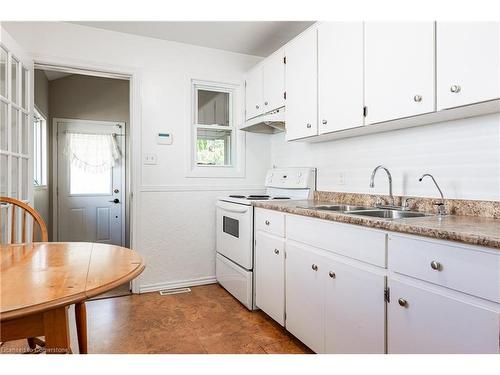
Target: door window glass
231,226
3,72
89,182
14,130
3,126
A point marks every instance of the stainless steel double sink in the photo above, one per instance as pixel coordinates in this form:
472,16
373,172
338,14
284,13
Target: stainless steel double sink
384,213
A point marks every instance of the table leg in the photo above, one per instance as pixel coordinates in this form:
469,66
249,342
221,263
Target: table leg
81,326
56,328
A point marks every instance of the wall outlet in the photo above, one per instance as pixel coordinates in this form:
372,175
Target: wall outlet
150,159
342,178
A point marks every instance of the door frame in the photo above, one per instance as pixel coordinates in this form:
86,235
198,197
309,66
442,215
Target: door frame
55,173
134,76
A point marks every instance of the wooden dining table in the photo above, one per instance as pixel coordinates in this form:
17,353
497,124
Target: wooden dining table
39,281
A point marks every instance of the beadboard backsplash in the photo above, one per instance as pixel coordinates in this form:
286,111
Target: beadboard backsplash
464,160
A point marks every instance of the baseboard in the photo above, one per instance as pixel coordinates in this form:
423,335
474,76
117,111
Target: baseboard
177,284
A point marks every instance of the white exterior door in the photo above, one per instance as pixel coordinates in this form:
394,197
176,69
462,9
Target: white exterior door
399,70
301,80
253,93
355,310
340,71
305,295
90,204
16,131
274,82
468,63
270,275
424,321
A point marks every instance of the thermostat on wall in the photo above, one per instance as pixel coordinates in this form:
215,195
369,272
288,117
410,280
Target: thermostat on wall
164,139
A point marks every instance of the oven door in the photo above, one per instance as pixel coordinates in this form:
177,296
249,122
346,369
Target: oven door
235,233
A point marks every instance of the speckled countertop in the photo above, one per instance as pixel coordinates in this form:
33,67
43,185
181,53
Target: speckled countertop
473,230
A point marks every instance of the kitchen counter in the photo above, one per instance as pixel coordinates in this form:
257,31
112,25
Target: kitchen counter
472,230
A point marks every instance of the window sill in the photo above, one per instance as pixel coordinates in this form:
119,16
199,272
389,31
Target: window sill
40,187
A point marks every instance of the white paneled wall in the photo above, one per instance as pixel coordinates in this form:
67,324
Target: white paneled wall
463,155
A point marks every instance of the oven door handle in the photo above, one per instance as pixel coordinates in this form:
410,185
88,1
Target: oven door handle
237,210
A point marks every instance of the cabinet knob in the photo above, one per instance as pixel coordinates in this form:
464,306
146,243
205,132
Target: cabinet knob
267,222
266,103
436,266
417,98
314,267
332,274
276,251
257,106
455,89
402,302
324,122
308,126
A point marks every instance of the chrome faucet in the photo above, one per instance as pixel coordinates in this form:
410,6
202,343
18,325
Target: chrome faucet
441,208
372,182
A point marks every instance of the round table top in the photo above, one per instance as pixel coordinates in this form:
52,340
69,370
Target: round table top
40,276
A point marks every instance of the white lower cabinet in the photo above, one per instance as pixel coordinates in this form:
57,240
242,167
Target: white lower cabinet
355,310
423,320
270,275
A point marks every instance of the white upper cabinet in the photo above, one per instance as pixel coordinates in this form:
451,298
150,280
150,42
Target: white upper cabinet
340,76
254,92
399,70
301,79
468,63
274,81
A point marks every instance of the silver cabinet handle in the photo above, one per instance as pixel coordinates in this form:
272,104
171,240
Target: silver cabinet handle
324,122
402,302
314,267
276,251
267,222
417,98
308,126
455,89
257,106
436,266
332,274
266,103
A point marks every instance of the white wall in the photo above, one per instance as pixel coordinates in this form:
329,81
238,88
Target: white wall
176,220
463,155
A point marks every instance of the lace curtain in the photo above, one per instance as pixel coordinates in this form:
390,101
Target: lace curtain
93,153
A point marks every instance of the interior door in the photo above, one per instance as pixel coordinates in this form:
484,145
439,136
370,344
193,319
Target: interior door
16,132
399,70
468,63
274,82
340,71
301,78
90,202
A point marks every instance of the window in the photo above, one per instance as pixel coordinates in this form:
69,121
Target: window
40,150
213,120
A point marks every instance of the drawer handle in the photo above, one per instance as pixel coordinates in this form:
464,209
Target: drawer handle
314,267
402,302
332,274
267,222
276,251
436,266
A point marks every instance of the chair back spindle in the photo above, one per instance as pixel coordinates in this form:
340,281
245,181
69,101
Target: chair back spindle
25,211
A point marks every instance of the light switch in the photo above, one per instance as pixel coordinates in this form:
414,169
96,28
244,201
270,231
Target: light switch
150,159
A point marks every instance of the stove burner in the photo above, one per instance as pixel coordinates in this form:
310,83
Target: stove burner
254,196
281,197
237,196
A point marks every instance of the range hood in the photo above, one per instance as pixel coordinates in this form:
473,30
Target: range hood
268,123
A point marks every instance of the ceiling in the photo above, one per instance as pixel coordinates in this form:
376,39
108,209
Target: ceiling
258,38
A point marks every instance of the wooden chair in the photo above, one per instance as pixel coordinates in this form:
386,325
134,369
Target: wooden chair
80,310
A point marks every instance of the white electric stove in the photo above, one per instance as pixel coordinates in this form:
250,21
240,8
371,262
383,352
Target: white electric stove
235,228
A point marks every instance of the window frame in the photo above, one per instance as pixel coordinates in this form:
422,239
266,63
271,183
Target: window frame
235,167
40,150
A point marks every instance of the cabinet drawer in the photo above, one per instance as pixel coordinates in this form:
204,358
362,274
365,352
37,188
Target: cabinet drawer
462,268
270,221
363,244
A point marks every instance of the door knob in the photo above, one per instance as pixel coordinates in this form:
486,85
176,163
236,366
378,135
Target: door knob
276,251
267,222
324,122
455,89
116,200
402,302
331,274
436,265
417,98
314,267
308,126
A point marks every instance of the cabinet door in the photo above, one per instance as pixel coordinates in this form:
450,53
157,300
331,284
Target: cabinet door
468,63
270,275
340,76
431,322
253,93
355,310
301,80
399,70
274,82
305,296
